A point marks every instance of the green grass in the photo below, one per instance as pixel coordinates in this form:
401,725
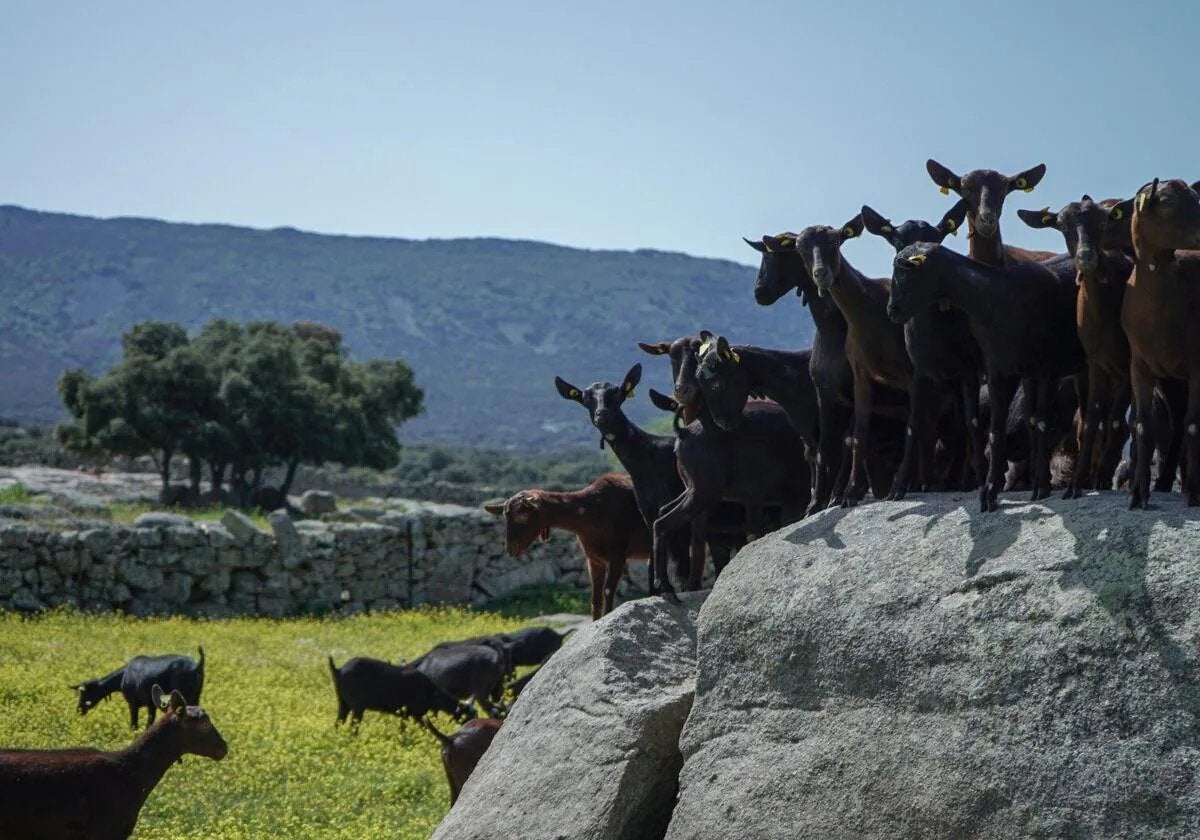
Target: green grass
17,494
289,772
124,513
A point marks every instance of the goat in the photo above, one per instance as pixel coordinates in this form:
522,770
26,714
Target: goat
527,646
1102,275
518,685
650,461
90,794
604,516
362,683
984,191
944,355
1023,317
781,269
462,750
135,679
760,463
471,672
874,345
1161,299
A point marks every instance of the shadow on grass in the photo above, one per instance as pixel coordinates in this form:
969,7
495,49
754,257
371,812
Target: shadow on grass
540,599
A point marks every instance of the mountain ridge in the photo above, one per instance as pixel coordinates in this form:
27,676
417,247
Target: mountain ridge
485,322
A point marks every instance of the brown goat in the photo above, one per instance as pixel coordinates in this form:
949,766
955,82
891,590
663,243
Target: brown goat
1158,315
605,518
462,750
89,794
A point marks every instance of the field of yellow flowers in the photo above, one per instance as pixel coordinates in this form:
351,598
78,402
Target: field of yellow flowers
289,772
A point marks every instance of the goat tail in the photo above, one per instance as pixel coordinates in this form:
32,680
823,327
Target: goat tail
435,732
201,665
333,669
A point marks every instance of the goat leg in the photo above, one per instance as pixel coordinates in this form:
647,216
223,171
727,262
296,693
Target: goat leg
1000,389
1143,395
1116,431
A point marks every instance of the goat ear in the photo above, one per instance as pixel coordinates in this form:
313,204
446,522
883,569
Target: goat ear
877,224
176,703
1043,218
1122,211
725,352
662,348
494,506
852,228
662,401
943,177
1028,179
953,220
568,391
156,697
631,380
757,246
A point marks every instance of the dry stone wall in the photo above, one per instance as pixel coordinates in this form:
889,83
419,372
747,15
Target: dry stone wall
168,564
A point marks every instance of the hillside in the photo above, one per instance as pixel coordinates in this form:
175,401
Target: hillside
485,323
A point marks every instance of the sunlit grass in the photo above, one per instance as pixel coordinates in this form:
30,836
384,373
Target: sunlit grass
124,513
289,772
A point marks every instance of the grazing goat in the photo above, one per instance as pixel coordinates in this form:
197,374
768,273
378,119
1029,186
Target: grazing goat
1158,314
471,672
781,269
172,672
946,357
462,750
362,683
874,345
760,463
1103,273
1023,317
527,646
89,794
604,516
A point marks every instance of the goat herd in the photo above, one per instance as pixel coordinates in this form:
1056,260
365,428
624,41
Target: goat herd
88,794
1045,351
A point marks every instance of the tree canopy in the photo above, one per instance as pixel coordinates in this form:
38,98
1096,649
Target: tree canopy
239,398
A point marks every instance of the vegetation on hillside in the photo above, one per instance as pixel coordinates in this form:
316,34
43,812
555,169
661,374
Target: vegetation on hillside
487,323
236,400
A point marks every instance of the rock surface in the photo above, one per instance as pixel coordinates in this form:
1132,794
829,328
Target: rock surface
917,670
590,749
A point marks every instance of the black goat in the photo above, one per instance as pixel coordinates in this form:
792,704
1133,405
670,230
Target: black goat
362,683
650,461
945,357
780,270
1023,316
474,673
761,463
171,672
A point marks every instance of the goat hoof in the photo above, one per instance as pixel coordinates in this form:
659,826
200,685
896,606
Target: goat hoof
669,595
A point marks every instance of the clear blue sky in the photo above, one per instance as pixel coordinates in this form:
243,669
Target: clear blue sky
679,126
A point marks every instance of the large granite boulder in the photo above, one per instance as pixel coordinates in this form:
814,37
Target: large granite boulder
918,670
591,748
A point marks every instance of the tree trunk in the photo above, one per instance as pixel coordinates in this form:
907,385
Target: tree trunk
216,473
286,487
195,473
165,475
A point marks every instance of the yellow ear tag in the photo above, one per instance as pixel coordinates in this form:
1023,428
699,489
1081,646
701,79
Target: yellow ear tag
784,242
952,226
1047,219
574,392
886,228
736,357
704,348
629,391
1141,202
1116,214
1028,189
917,259
849,232
944,190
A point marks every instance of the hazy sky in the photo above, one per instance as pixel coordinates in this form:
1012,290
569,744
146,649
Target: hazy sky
679,126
